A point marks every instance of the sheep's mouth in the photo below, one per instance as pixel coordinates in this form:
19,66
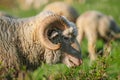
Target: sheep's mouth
74,61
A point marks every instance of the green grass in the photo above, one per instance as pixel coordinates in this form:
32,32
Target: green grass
103,69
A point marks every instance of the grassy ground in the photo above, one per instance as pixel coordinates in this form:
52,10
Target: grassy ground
103,69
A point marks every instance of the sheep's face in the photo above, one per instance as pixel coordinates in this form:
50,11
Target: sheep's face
66,54
70,56
57,37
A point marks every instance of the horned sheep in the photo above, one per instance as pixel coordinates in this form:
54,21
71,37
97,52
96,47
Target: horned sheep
64,9
42,38
94,25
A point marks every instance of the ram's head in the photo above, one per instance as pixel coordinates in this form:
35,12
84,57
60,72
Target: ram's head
57,36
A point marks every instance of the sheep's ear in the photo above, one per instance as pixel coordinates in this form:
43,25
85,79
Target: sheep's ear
54,34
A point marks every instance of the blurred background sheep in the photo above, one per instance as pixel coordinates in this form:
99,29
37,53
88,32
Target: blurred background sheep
35,4
27,4
95,25
63,9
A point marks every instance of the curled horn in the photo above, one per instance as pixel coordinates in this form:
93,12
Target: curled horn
51,21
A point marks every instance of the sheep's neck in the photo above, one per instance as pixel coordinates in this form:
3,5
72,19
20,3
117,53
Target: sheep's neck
31,52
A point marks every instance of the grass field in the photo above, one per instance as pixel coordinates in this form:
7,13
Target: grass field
105,68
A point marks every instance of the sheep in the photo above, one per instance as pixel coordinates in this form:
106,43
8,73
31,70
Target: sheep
72,1
94,25
28,4
38,39
64,9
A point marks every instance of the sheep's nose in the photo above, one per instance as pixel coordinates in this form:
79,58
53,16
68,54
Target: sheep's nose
80,62
75,61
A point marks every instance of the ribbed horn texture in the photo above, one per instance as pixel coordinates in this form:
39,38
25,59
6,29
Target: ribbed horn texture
49,22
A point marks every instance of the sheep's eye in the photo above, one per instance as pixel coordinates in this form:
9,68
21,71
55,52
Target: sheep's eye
65,38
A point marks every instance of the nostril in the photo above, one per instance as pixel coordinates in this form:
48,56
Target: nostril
65,38
80,62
